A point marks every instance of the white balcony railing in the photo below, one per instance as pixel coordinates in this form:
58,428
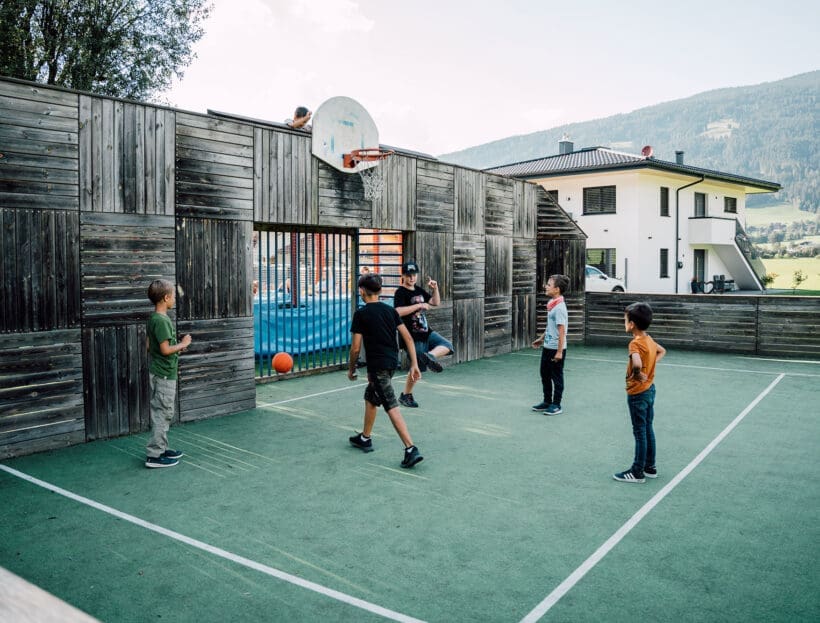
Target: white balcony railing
711,230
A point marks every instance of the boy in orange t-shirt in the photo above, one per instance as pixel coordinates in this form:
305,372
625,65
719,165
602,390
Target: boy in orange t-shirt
644,353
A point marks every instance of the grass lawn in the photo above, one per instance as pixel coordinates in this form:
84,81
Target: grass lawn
786,267
782,213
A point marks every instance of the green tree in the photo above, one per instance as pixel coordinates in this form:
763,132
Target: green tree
797,278
122,48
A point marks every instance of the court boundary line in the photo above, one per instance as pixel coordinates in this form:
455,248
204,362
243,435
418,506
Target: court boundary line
217,551
585,567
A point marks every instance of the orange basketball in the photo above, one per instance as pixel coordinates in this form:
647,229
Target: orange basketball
282,362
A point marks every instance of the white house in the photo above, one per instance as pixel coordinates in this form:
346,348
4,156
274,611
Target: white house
654,224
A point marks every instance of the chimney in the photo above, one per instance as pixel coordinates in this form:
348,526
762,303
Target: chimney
565,146
679,157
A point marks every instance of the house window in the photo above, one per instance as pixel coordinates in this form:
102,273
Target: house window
664,263
599,200
700,204
603,260
664,201
730,205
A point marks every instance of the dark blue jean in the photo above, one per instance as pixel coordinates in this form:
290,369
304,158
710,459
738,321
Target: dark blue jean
642,412
552,376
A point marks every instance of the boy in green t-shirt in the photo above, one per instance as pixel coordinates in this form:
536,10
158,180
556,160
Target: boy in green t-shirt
163,352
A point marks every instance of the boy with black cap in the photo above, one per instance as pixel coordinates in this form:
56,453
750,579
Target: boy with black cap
411,302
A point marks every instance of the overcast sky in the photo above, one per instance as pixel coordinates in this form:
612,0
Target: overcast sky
438,76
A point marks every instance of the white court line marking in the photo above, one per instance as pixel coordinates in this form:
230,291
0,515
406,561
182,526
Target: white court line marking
330,391
564,587
809,361
216,551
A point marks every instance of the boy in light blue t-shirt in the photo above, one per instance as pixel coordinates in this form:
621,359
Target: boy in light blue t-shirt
553,347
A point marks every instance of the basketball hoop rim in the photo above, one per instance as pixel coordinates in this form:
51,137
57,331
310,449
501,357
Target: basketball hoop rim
370,154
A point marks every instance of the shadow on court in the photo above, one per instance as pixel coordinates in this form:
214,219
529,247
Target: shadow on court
513,515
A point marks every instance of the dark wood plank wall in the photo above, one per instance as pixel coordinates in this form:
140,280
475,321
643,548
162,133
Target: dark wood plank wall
41,396
396,208
115,369
284,178
340,199
126,151
120,255
435,197
764,325
39,269
561,249
217,369
41,400
101,196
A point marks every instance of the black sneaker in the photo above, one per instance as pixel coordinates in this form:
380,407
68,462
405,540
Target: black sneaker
173,454
541,406
553,410
433,363
365,445
628,476
411,457
407,400
650,472
160,461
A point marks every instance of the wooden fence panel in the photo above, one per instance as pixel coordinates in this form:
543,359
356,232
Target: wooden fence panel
396,208
115,373
524,322
39,270
127,157
214,168
469,254
283,178
525,212
39,143
41,396
524,263
340,199
497,325
498,265
722,323
435,197
468,329
470,197
216,373
789,326
499,206
121,255
214,268
434,255
553,222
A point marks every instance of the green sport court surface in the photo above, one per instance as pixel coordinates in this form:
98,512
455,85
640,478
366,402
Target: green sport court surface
512,516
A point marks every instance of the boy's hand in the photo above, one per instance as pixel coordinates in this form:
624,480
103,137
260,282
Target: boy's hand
432,283
186,341
537,343
414,373
352,375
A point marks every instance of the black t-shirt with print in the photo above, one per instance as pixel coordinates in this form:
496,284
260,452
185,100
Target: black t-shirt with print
416,323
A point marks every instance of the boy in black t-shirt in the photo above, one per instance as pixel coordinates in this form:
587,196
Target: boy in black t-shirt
376,324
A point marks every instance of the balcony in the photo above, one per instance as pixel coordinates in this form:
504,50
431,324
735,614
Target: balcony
711,230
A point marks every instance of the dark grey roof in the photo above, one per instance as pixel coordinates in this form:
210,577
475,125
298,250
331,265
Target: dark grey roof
605,159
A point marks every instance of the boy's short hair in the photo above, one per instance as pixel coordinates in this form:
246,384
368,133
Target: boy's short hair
640,314
561,282
371,283
300,112
158,289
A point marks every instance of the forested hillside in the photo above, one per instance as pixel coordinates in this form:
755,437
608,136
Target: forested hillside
767,131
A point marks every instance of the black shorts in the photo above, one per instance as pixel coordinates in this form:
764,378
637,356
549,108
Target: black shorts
379,390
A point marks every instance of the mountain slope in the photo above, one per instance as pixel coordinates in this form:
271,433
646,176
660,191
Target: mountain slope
767,131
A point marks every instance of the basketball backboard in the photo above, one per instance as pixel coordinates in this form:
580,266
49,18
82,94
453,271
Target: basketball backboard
341,125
